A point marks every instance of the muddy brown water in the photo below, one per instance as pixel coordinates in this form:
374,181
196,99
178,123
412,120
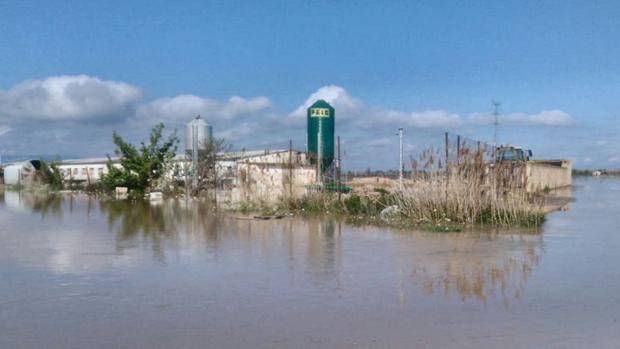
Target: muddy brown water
81,273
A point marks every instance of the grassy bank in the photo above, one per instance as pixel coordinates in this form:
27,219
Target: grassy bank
428,211
473,192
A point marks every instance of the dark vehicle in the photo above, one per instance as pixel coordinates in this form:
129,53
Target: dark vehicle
512,154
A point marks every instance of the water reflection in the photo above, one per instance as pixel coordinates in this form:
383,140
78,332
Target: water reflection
172,222
324,243
98,233
37,202
472,266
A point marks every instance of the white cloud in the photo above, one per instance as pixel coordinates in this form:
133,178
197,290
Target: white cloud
349,108
78,97
614,159
243,130
408,147
236,119
550,118
424,119
185,107
480,119
553,117
346,105
381,142
601,143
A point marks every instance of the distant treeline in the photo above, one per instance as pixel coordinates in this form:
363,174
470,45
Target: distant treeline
590,173
393,174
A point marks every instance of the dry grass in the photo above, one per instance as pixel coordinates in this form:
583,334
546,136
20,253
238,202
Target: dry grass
367,185
471,190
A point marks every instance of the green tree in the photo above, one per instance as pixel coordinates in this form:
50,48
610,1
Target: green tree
51,175
141,167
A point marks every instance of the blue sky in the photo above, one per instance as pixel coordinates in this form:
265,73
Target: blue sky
71,72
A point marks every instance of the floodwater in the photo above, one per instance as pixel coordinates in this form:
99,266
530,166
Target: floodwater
80,273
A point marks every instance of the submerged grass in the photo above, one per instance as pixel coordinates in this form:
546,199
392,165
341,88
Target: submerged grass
435,214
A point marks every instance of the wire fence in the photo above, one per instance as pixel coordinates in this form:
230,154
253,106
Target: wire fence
271,146
448,150
457,146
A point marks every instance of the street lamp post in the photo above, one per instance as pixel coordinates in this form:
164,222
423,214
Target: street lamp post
400,162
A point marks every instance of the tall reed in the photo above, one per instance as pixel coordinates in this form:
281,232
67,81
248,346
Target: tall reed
470,189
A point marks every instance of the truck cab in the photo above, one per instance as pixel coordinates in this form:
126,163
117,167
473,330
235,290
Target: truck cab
512,154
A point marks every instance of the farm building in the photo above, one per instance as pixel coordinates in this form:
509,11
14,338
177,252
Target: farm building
249,176
21,173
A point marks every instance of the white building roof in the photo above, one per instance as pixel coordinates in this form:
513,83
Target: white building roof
230,156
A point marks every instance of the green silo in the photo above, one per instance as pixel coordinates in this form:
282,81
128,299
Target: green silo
321,119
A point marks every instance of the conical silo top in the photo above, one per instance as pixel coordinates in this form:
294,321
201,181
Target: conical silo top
198,120
321,103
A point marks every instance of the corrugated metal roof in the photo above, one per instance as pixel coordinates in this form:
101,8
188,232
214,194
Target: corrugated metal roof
89,161
234,155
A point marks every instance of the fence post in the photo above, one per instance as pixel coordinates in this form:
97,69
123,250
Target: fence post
290,169
447,161
458,149
338,171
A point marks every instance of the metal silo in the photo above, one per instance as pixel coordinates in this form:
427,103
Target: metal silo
197,134
321,126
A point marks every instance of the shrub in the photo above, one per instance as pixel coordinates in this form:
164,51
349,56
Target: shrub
140,168
50,174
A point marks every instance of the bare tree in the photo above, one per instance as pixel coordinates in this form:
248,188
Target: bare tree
207,172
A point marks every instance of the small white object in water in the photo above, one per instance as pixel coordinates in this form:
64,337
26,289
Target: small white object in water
121,192
156,196
389,212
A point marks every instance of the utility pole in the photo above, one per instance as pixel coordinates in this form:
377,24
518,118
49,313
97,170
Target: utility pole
447,149
290,168
496,106
346,176
400,159
319,144
195,155
458,149
338,171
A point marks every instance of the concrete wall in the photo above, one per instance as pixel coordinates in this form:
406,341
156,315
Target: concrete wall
83,172
265,178
267,183
550,174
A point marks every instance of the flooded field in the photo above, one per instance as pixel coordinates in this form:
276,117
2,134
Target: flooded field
80,273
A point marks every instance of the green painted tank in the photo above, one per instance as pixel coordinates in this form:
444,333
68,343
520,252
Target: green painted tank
321,119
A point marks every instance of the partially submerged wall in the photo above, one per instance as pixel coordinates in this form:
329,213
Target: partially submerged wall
551,174
268,183
265,178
